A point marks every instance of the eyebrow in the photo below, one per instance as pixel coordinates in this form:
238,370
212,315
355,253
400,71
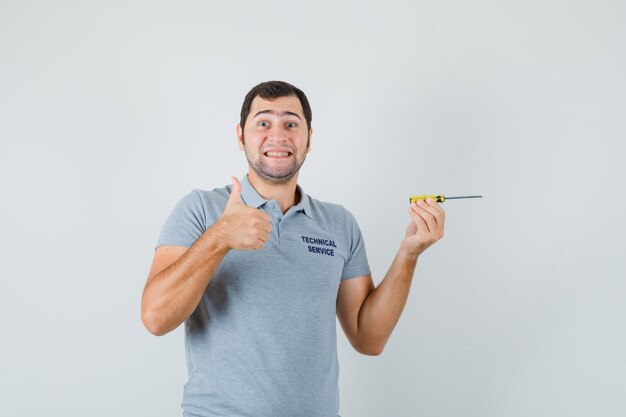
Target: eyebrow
274,112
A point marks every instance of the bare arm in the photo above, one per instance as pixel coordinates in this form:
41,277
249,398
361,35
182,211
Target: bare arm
177,280
179,276
368,315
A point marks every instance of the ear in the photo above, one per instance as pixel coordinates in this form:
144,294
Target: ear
240,136
308,148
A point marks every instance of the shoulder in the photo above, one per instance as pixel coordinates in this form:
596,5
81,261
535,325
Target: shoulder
217,196
204,204
334,213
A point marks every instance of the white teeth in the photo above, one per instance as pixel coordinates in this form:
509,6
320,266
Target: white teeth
277,153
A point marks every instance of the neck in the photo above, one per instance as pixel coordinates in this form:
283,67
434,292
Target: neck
284,194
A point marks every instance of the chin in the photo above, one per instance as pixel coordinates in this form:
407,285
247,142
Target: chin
277,178
275,175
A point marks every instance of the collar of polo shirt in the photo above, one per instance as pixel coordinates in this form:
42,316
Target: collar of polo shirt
253,199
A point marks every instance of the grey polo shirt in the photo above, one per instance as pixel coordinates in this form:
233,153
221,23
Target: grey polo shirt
262,341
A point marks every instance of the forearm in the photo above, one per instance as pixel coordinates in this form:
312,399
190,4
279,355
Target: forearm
172,295
382,308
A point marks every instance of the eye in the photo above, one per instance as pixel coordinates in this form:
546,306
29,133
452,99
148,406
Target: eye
263,123
292,124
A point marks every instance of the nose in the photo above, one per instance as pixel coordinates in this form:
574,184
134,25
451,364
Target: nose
277,133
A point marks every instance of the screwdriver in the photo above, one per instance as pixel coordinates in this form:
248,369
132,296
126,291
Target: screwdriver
439,198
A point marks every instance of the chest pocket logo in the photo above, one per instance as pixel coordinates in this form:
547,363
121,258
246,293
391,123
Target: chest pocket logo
319,245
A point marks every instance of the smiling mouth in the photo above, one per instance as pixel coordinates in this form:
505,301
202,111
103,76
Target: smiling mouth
278,154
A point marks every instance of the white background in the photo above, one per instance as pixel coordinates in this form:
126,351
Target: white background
111,111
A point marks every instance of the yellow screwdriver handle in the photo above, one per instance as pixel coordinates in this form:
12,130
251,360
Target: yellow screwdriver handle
437,198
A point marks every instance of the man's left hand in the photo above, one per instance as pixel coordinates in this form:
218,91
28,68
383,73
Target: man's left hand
426,226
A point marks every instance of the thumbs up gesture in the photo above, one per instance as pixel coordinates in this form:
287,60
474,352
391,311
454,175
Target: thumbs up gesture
243,227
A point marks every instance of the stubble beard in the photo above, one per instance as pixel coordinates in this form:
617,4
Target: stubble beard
274,176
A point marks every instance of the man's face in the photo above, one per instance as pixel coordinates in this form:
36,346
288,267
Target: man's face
275,138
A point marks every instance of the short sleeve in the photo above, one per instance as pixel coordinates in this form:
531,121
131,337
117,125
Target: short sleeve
185,224
356,264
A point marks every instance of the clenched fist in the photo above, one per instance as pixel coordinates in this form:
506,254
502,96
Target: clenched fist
243,227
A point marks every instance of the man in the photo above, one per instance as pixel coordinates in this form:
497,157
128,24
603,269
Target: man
258,270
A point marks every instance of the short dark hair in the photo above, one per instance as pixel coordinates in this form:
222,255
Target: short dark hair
275,89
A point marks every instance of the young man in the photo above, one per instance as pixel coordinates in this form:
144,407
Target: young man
257,271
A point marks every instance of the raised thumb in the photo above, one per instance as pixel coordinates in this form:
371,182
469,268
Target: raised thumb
235,192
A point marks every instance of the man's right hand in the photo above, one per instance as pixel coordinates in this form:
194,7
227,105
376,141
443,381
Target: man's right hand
243,227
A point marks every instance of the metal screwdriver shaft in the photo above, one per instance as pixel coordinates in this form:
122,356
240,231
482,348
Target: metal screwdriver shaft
439,198
465,196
